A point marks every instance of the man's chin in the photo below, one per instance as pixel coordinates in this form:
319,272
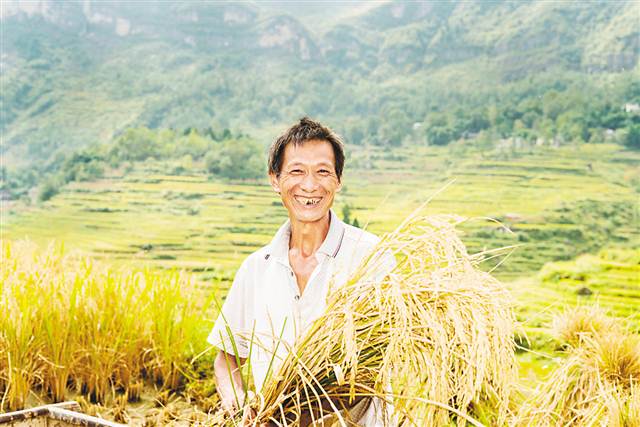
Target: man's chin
312,215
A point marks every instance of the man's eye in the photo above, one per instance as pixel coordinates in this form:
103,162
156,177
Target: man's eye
323,172
296,171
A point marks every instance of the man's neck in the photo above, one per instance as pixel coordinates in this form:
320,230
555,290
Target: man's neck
307,237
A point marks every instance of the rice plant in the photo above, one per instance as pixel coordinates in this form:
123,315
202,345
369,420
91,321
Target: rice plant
67,320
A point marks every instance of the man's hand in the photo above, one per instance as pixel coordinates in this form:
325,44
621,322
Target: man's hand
229,381
249,419
228,378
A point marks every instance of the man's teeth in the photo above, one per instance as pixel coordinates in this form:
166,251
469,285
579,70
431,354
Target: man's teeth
308,201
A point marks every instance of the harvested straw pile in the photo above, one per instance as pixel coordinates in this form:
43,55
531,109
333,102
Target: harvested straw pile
436,328
598,383
574,325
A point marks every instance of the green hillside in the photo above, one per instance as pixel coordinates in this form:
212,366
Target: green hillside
125,111
75,74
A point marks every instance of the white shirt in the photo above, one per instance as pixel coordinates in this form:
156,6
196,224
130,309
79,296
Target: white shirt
265,303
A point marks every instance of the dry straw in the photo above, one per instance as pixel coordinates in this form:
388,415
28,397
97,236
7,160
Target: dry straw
574,325
597,384
436,329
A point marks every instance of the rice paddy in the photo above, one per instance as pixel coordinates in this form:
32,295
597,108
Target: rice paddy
72,326
190,222
572,212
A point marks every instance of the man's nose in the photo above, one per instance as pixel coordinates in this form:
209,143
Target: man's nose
309,183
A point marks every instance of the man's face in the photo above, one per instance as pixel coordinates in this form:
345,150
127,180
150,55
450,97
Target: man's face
308,182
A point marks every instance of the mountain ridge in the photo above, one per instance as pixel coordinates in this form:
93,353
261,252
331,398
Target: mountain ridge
77,72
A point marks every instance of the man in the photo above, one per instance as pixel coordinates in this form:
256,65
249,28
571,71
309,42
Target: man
279,290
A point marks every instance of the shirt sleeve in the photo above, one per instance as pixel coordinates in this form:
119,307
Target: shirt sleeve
230,330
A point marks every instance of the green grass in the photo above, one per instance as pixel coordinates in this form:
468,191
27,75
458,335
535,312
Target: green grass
612,276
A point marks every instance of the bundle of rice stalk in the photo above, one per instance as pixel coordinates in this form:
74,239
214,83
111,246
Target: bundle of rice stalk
598,384
436,328
572,326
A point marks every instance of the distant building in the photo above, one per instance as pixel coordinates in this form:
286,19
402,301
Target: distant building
631,108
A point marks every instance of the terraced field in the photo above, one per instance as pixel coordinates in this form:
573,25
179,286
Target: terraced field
610,279
570,213
557,204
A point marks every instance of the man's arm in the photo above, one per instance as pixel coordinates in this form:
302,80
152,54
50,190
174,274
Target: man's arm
228,379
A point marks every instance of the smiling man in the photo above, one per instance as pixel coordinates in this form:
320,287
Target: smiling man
279,290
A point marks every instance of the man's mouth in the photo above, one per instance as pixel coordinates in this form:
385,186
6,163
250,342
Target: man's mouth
308,201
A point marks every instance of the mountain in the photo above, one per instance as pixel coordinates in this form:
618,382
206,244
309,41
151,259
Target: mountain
79,72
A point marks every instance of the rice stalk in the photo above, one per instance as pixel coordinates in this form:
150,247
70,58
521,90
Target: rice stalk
20,365
597,384
435,333
171,310
65,319
57,341
632,409
573,325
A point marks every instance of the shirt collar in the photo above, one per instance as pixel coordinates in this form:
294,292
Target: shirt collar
330,246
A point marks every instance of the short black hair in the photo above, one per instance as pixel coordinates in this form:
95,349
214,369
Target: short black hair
305,130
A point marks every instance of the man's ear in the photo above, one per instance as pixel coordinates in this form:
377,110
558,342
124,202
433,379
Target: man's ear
273,179
339,187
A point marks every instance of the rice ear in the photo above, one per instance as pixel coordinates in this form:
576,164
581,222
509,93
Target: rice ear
571,327
596,385
435,332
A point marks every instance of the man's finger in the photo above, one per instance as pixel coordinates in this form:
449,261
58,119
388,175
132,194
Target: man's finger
248,417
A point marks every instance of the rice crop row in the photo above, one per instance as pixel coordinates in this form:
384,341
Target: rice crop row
71,325
134,211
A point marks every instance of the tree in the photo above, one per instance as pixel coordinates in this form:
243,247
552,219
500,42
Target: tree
236,159
439,135
194,145
346,213
49,189
572,126
631,138
139,144
552,104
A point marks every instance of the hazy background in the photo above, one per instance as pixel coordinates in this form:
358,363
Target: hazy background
78,73
137,131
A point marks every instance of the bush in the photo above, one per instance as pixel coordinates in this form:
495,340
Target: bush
49,189
631,138
236,159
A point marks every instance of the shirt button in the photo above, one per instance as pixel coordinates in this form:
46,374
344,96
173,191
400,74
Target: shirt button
291,273
297,297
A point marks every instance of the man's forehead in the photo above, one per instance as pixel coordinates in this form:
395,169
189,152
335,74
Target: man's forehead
310,152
